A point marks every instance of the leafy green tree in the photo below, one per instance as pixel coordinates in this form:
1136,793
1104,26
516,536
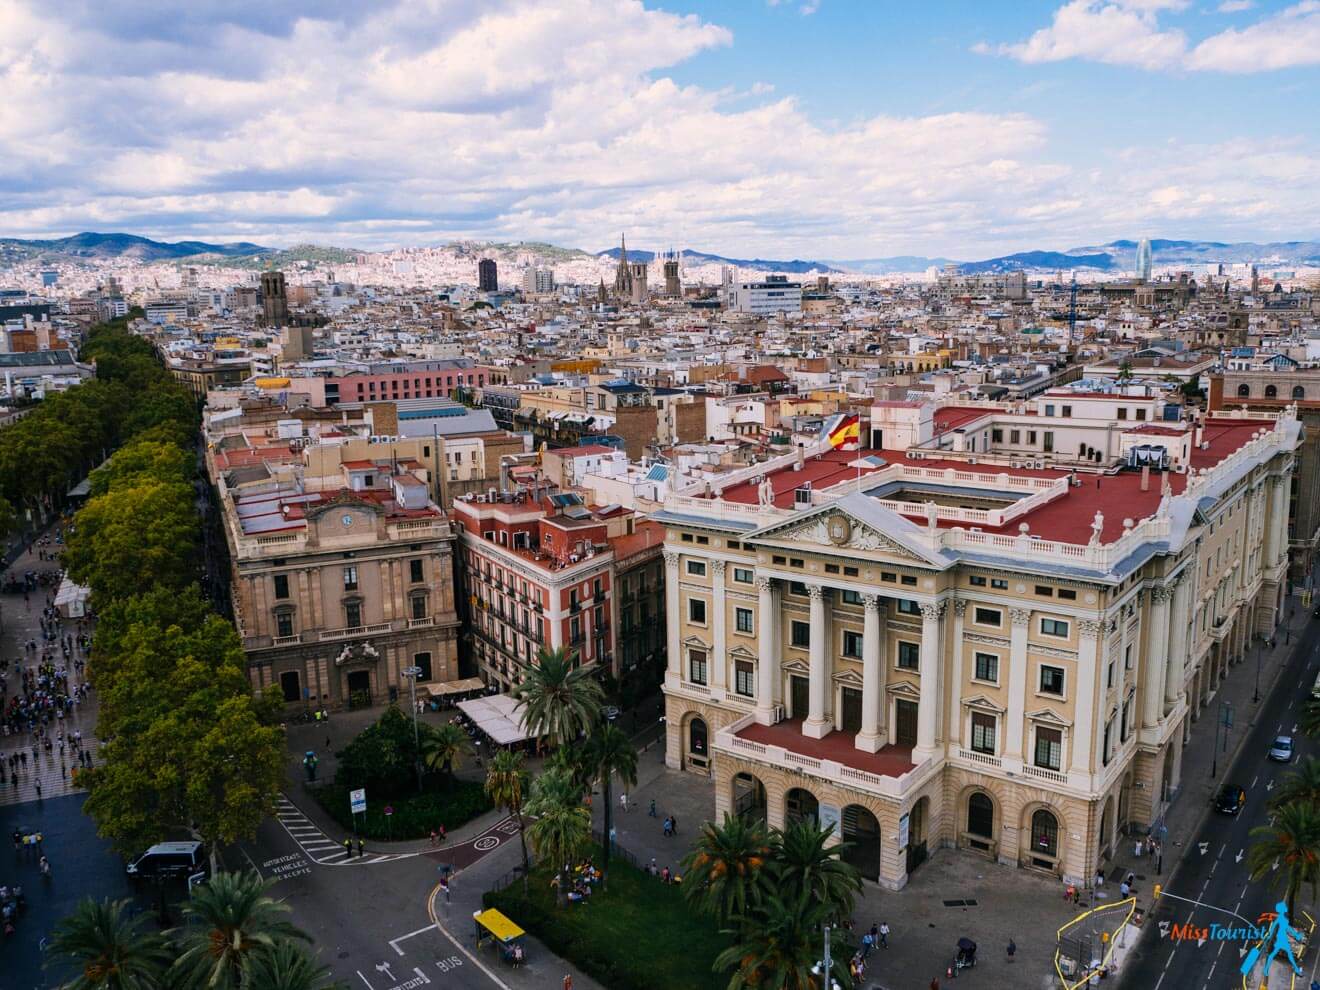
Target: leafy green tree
727,872
778,944
8,517
144,461
105,942
1300,787
506,785
230,921
609,753
803,860
1310,721
125,623
561,825
443,748
382,756
288,966
562,700
1288,851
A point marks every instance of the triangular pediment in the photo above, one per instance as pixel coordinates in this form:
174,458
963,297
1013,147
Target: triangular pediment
796,667
1049,717
904,689
982,703
855,523
696,641
742,653
848,678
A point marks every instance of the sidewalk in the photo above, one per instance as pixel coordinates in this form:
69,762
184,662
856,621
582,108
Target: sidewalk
1197,789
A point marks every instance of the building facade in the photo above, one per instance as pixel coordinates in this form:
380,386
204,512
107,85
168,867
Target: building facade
488,279
935,651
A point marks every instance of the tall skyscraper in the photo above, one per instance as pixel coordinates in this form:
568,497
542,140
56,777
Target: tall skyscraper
274,299
1144,260
487,277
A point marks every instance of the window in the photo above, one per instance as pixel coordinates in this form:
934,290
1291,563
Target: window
797,588
416,570
1109,675
987,667
1067,411
908,579
1045,590
852,643
1141,414
697,568
906,606
988,617
831,568
1122,412
1105,743
281,586
1125,722
696,611
997,435
999,584
983,733
779,560
799,634
703,541
422,661
418,606
1051,680
1049,409
1054,627
733,545
1067,594
350,579
742,575
290,687
1298,392
743,678
697,666
353,614
742,618
909,655
1014,436
1044,834
851,597
850,572
980,815
976,581
283,623
1031,437
686,537
1127,657
1049,748
1244,390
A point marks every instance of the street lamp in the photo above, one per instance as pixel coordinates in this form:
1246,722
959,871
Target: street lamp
412,673
825,966
1259,649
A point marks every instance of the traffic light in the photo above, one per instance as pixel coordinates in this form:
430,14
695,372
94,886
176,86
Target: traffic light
1159,888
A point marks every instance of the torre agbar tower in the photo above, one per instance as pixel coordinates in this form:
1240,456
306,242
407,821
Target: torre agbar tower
991,631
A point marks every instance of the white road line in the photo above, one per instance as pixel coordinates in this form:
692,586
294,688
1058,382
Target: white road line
250,862
1221,852
364,979
430,907
1212,972
1159,981
1254,779
394,942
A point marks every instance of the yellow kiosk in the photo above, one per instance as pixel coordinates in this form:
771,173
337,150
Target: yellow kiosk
493,926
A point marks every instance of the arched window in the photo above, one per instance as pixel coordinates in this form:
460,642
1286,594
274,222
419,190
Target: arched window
1044,834
697,737
1244,390
980,815
1299,392
1271,391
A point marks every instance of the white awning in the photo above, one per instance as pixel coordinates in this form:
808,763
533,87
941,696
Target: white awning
499,716
456,687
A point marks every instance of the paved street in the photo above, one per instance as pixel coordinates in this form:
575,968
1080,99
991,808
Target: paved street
1213,869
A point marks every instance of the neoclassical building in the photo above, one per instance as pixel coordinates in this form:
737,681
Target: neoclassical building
952,640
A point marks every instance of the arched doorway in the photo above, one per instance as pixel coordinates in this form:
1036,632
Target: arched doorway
749,800
359,688
1105,841
916,847
1044,837
861,831
696,756
981,821
800,805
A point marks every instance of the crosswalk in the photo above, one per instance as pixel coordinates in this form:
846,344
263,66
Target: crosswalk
318,846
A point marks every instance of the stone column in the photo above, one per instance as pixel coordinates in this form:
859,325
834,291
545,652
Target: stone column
673,620
1157,647
1019,674
1279,522
956,672
929,706
1180,626
721,658
1082,743
816,724
869,739
767,666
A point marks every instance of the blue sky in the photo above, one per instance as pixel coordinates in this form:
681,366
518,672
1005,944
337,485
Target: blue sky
809,128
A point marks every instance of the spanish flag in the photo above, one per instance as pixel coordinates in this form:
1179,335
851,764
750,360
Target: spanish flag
846,434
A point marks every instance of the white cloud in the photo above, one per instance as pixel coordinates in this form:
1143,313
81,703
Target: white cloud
1127,32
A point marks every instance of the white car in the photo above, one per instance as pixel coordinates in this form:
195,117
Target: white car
1282,750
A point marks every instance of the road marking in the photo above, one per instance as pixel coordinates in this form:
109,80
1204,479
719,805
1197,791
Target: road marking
1254,779
1221,852
435,920
249,859
394,942
1212,867
364,979
1238,857
1212,972
1159,981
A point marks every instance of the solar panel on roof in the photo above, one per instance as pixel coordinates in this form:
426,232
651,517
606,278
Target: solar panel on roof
564,499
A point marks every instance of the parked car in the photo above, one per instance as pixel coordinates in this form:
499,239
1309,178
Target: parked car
174,859
1282,750
1231,799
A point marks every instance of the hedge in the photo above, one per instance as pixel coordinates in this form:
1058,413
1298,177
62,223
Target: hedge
414,816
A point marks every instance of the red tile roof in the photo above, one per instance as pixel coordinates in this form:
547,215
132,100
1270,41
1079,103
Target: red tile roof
891,761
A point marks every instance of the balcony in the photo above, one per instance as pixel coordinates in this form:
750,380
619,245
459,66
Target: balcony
574,607
598,598
1054,776
422,623
353,632
293,640
984,759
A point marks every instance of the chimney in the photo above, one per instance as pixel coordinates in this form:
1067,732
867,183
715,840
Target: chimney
801,458
1145,477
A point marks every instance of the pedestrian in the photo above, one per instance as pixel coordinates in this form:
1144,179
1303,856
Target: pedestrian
362,847
866,944
432,836
652,811
1099,879
1011,949
348,849
884,934
934,983
673,824
1139,848
1124,889
444,836
568,982
38,785
623,800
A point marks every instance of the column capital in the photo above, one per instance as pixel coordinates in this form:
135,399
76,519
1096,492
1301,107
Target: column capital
765,583
1021,617
1160,593
815,592
871,602
671,558
960,607
932,611
1090,627
717,568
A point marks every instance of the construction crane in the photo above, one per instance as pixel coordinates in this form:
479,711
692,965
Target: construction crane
1072,310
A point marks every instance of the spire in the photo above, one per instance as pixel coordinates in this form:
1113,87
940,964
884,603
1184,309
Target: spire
623,249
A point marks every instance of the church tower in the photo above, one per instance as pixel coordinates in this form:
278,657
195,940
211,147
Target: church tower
622,274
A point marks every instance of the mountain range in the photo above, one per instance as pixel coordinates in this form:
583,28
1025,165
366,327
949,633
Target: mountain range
102,246
794,267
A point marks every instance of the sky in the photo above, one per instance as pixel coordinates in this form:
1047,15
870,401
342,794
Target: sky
822,129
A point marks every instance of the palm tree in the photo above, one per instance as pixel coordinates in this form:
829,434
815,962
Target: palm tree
443,748
778,944
506,785
725,874
803,860
1301,787
1290,850
561,825
106,942
1310,720
561,700
287,966
230,921
609,752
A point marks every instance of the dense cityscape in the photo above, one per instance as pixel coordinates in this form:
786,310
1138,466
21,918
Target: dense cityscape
470,611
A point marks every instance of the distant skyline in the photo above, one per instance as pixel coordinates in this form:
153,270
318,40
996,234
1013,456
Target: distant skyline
789,128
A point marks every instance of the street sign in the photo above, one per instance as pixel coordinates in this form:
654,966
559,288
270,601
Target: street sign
389,810
358,800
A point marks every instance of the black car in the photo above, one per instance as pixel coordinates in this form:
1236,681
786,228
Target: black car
1230,800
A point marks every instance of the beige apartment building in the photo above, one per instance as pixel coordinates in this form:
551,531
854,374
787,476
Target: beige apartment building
947,642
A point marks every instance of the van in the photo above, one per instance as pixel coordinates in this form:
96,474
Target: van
1315,688
169,859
